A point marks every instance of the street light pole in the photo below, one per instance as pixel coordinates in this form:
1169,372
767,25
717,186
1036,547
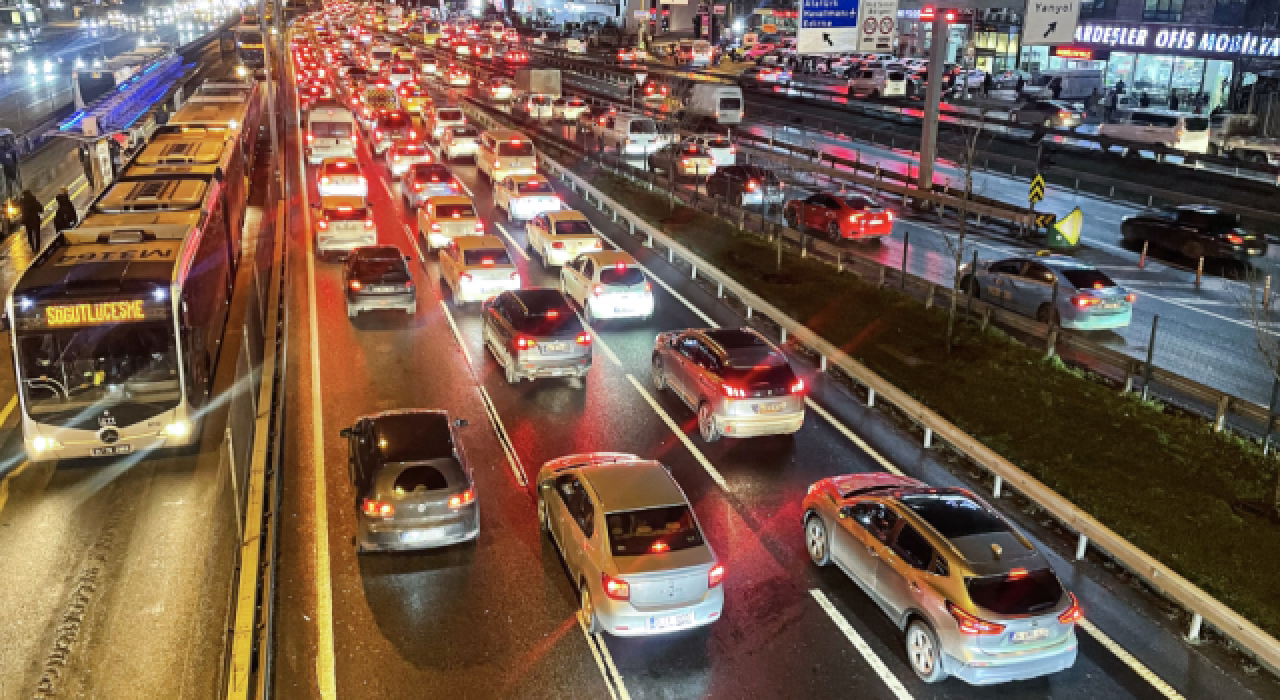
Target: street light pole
932,95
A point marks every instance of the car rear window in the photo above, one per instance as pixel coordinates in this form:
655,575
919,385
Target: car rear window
331,130
381,54
730,103
346,214
455,211
624,277
449,115
417,477
954,516
1196,123
573,227
379,270
861,202
540,100
652,531
341,168
393,121
557,321
643,126
464,132
1087,279
537,187
766,374
510,149
896,76
486,256
1027,594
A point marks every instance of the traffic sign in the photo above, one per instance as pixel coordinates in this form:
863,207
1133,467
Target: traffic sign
1050,22
1036,192
827,26
640,78
878,24
1066,233
1045,220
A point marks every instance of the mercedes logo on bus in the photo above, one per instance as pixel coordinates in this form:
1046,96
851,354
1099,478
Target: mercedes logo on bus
109,435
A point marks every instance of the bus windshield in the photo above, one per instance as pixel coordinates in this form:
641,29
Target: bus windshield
65,371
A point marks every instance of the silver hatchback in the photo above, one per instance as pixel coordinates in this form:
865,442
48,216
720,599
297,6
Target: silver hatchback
739,384
535,333
631,544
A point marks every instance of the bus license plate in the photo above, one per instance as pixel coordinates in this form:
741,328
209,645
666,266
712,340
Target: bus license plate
1025,636
112,450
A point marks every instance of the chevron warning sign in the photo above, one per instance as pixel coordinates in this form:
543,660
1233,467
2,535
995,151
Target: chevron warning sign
1045,220
1036,193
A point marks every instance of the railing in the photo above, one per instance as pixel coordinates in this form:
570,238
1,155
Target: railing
1155,574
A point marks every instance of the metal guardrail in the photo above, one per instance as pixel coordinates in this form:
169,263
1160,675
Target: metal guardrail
1155,574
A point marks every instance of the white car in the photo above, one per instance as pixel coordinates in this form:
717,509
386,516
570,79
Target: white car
568,109
405,154
429,66
575,46
607,285
560,236
535,106
459,141
343,224
499,90
723,152
459,78
341,176
523,197
477,268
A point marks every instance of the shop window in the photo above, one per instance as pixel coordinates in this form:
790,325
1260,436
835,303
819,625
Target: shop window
1229,12
1097,9
1163,10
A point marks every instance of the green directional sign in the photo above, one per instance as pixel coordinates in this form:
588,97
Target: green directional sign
1036,192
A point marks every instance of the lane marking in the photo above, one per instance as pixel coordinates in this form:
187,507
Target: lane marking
852,436
608,661
679,297
595,335
613,684
1135,665
679,433
408,232
868,654
326,674
8,408
515,246
508,448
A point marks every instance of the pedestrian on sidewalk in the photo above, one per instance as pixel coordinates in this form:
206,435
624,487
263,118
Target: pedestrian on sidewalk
1173,100
987,83
66,216
32,218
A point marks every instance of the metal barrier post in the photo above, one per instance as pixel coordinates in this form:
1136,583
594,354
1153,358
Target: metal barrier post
1142,259
906,248
1199,271
1151,354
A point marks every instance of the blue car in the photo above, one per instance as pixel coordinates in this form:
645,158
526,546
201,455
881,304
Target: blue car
1087,299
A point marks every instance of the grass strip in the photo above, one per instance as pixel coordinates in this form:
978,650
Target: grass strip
1165,482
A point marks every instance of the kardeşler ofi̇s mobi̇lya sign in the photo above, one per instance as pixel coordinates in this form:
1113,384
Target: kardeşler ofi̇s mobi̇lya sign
1165,38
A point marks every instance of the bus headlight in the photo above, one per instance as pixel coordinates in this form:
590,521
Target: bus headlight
241,72
178,428
41,443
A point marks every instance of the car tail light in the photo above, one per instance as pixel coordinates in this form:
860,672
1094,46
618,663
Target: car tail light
583,339
497,164
479,225
378,509
377,134
557,245
615,588
453,184
465,498
324,181
734,392
355,285
648,288
524,343
751,186
1072,614
417,187
684,161
323,224
435,227
368,223
798,387
1064,114
715,576
413,134
310,137
1131,297
969,624
1235,238
1083,302
1017,574
395,157
888,215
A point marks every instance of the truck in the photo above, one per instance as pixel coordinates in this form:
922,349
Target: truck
717,102
1236,136
538,81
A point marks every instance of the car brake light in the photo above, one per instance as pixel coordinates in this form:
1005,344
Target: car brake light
1083,302
798,387
1064,114
648,288
557,245
497,164
465,498
322,224
487,261
1017,574
453,184
524,343
361,179
970,624
734,392
1072,614
413,134
583,339
751,186
368,223
395,157
715,576
888,215
1234,238
479,225
377,134
615,588
684,161
310,137
1131,297
378,509
435,226
324,181
355,285
417,187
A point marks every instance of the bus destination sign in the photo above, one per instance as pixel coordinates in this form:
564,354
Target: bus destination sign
94,314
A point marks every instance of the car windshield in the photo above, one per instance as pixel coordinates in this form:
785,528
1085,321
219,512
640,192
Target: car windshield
1087,279
449,115
535,187
455,211
652,531
379,270
1025,594
574,227
624,277
483,257
730,103
65,371
954,516
515,149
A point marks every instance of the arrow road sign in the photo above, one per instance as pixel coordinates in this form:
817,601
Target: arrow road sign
1045,220
827,38
1052,26
1050,22
1036,192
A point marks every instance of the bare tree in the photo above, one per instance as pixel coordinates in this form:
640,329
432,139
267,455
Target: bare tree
969,148
1253,296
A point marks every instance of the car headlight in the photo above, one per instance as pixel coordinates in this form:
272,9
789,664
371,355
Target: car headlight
180,428
41,443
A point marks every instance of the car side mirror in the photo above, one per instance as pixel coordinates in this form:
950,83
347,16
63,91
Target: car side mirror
345,432
461,423
408,258
846,512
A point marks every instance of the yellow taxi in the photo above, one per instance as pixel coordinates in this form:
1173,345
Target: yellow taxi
445,218
414,98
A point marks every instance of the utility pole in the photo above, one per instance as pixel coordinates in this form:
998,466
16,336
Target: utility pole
932,95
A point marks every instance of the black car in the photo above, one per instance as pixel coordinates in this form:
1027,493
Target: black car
377,277
745,184
413,487
1194,231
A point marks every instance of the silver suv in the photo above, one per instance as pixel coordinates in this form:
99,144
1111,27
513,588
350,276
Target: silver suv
739,384
977,600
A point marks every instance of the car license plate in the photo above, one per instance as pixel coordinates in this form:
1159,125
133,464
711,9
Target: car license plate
772,407
669,622
386,290
1024,636
554,347
877,221
419,535
112,450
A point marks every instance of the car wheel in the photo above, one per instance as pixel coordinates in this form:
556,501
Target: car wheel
875,92
707,423
923,653
588,611
790,217
815,537
657,374
833,230
1045,315
1192,249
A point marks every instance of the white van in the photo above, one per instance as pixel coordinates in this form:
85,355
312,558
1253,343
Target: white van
1185,132
720,102
878,82
505,152
1076,84
331,132
633,134
701,57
